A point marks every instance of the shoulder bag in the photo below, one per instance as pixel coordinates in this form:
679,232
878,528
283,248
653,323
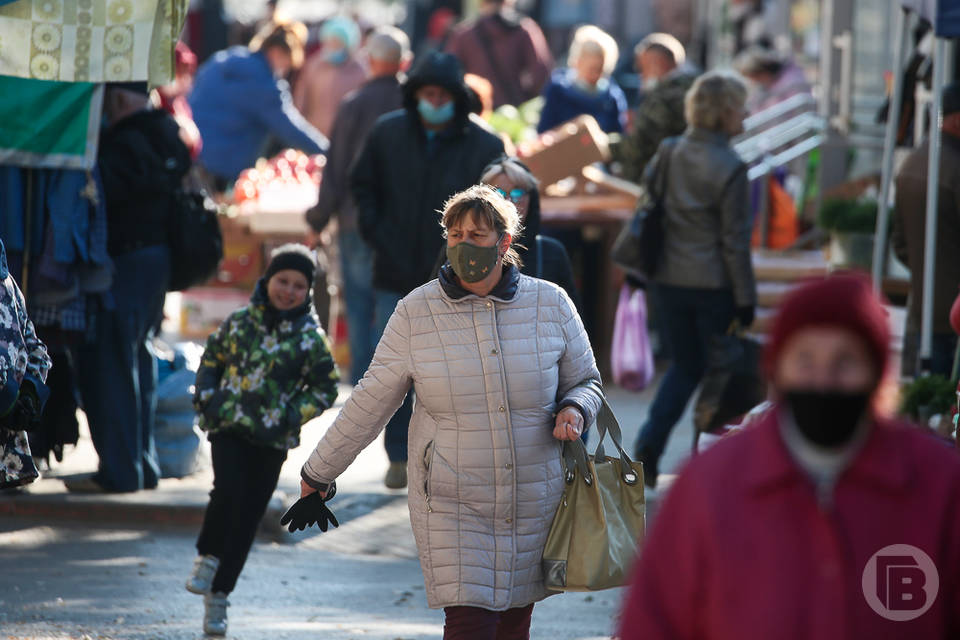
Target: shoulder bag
733,383
600,521
638,248
196,243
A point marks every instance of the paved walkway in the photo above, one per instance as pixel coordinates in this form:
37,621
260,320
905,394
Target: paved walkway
362,497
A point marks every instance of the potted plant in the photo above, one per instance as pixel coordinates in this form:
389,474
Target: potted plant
851,224
928,396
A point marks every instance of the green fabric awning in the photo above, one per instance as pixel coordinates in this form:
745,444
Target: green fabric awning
46,124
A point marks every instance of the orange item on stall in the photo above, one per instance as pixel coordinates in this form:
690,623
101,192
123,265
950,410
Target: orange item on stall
782,228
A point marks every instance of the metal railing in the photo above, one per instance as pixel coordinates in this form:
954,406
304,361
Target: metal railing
767,144
803,101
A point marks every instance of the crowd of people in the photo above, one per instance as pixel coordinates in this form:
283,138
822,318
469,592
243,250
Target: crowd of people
466,342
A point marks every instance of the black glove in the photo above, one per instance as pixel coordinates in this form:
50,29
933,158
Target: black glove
26,411
745,316
309,511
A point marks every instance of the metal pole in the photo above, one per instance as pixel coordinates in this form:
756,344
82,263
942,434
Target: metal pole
889,144
826,58
27,236
933,181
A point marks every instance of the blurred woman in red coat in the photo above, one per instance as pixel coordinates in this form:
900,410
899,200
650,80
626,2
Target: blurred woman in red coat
824,521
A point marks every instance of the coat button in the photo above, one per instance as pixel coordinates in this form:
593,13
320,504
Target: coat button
502,409
489,304
494,351
509,520
509,465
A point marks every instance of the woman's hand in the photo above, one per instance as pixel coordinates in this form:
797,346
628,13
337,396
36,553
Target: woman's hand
306,490
569,424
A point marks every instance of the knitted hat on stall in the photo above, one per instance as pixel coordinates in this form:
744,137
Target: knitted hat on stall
291,256
845,301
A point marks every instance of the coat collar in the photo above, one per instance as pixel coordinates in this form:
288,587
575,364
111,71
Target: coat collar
880,463
707,136
505,291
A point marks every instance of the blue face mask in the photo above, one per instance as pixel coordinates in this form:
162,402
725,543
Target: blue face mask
436,115
336,57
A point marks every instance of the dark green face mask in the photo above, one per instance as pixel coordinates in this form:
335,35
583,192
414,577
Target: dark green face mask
472,263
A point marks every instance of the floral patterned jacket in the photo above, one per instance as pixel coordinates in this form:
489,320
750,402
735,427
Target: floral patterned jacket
265,373
22,357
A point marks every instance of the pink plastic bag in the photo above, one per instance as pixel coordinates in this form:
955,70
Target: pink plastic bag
631,356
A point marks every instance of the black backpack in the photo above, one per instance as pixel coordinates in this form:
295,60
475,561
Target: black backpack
196,243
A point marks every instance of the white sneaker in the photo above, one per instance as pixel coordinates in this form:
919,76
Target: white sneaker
201,578
215,614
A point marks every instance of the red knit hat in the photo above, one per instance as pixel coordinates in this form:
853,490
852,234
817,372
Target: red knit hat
846,301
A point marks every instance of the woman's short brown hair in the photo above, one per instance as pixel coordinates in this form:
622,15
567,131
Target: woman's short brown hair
487,207
289,36
713,99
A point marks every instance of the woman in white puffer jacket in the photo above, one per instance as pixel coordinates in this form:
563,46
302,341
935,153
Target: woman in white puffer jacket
503,372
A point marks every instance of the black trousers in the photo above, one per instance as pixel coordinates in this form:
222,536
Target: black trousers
244,477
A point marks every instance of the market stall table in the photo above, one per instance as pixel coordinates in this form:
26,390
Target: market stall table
599,219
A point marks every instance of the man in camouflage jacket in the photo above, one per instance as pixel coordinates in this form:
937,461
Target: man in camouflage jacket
666,79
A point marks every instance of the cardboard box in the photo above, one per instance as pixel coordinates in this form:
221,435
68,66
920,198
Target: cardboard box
564,151
242,263
203,309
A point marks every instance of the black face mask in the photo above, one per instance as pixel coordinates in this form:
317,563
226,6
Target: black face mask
827,419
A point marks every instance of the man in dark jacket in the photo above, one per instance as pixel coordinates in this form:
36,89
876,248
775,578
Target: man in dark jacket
141,158
908,239
388,51
413,160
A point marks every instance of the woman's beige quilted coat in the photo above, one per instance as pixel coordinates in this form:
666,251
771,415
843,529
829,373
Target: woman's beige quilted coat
484,469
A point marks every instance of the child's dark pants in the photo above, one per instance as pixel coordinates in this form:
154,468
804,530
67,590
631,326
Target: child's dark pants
244,477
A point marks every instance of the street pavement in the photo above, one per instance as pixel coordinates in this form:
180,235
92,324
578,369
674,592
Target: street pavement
113,566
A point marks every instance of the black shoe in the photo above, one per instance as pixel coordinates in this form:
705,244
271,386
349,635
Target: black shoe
650,478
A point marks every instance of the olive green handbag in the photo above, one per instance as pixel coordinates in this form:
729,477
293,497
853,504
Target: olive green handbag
600,521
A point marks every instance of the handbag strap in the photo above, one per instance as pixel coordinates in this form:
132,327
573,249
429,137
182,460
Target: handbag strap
607,423
575,459
663,168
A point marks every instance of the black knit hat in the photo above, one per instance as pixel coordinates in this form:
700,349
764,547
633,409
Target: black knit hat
291,256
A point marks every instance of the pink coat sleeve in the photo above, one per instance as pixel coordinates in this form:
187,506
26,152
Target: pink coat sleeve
665,599
953,562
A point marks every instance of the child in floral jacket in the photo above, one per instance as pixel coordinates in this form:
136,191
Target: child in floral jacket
265,372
